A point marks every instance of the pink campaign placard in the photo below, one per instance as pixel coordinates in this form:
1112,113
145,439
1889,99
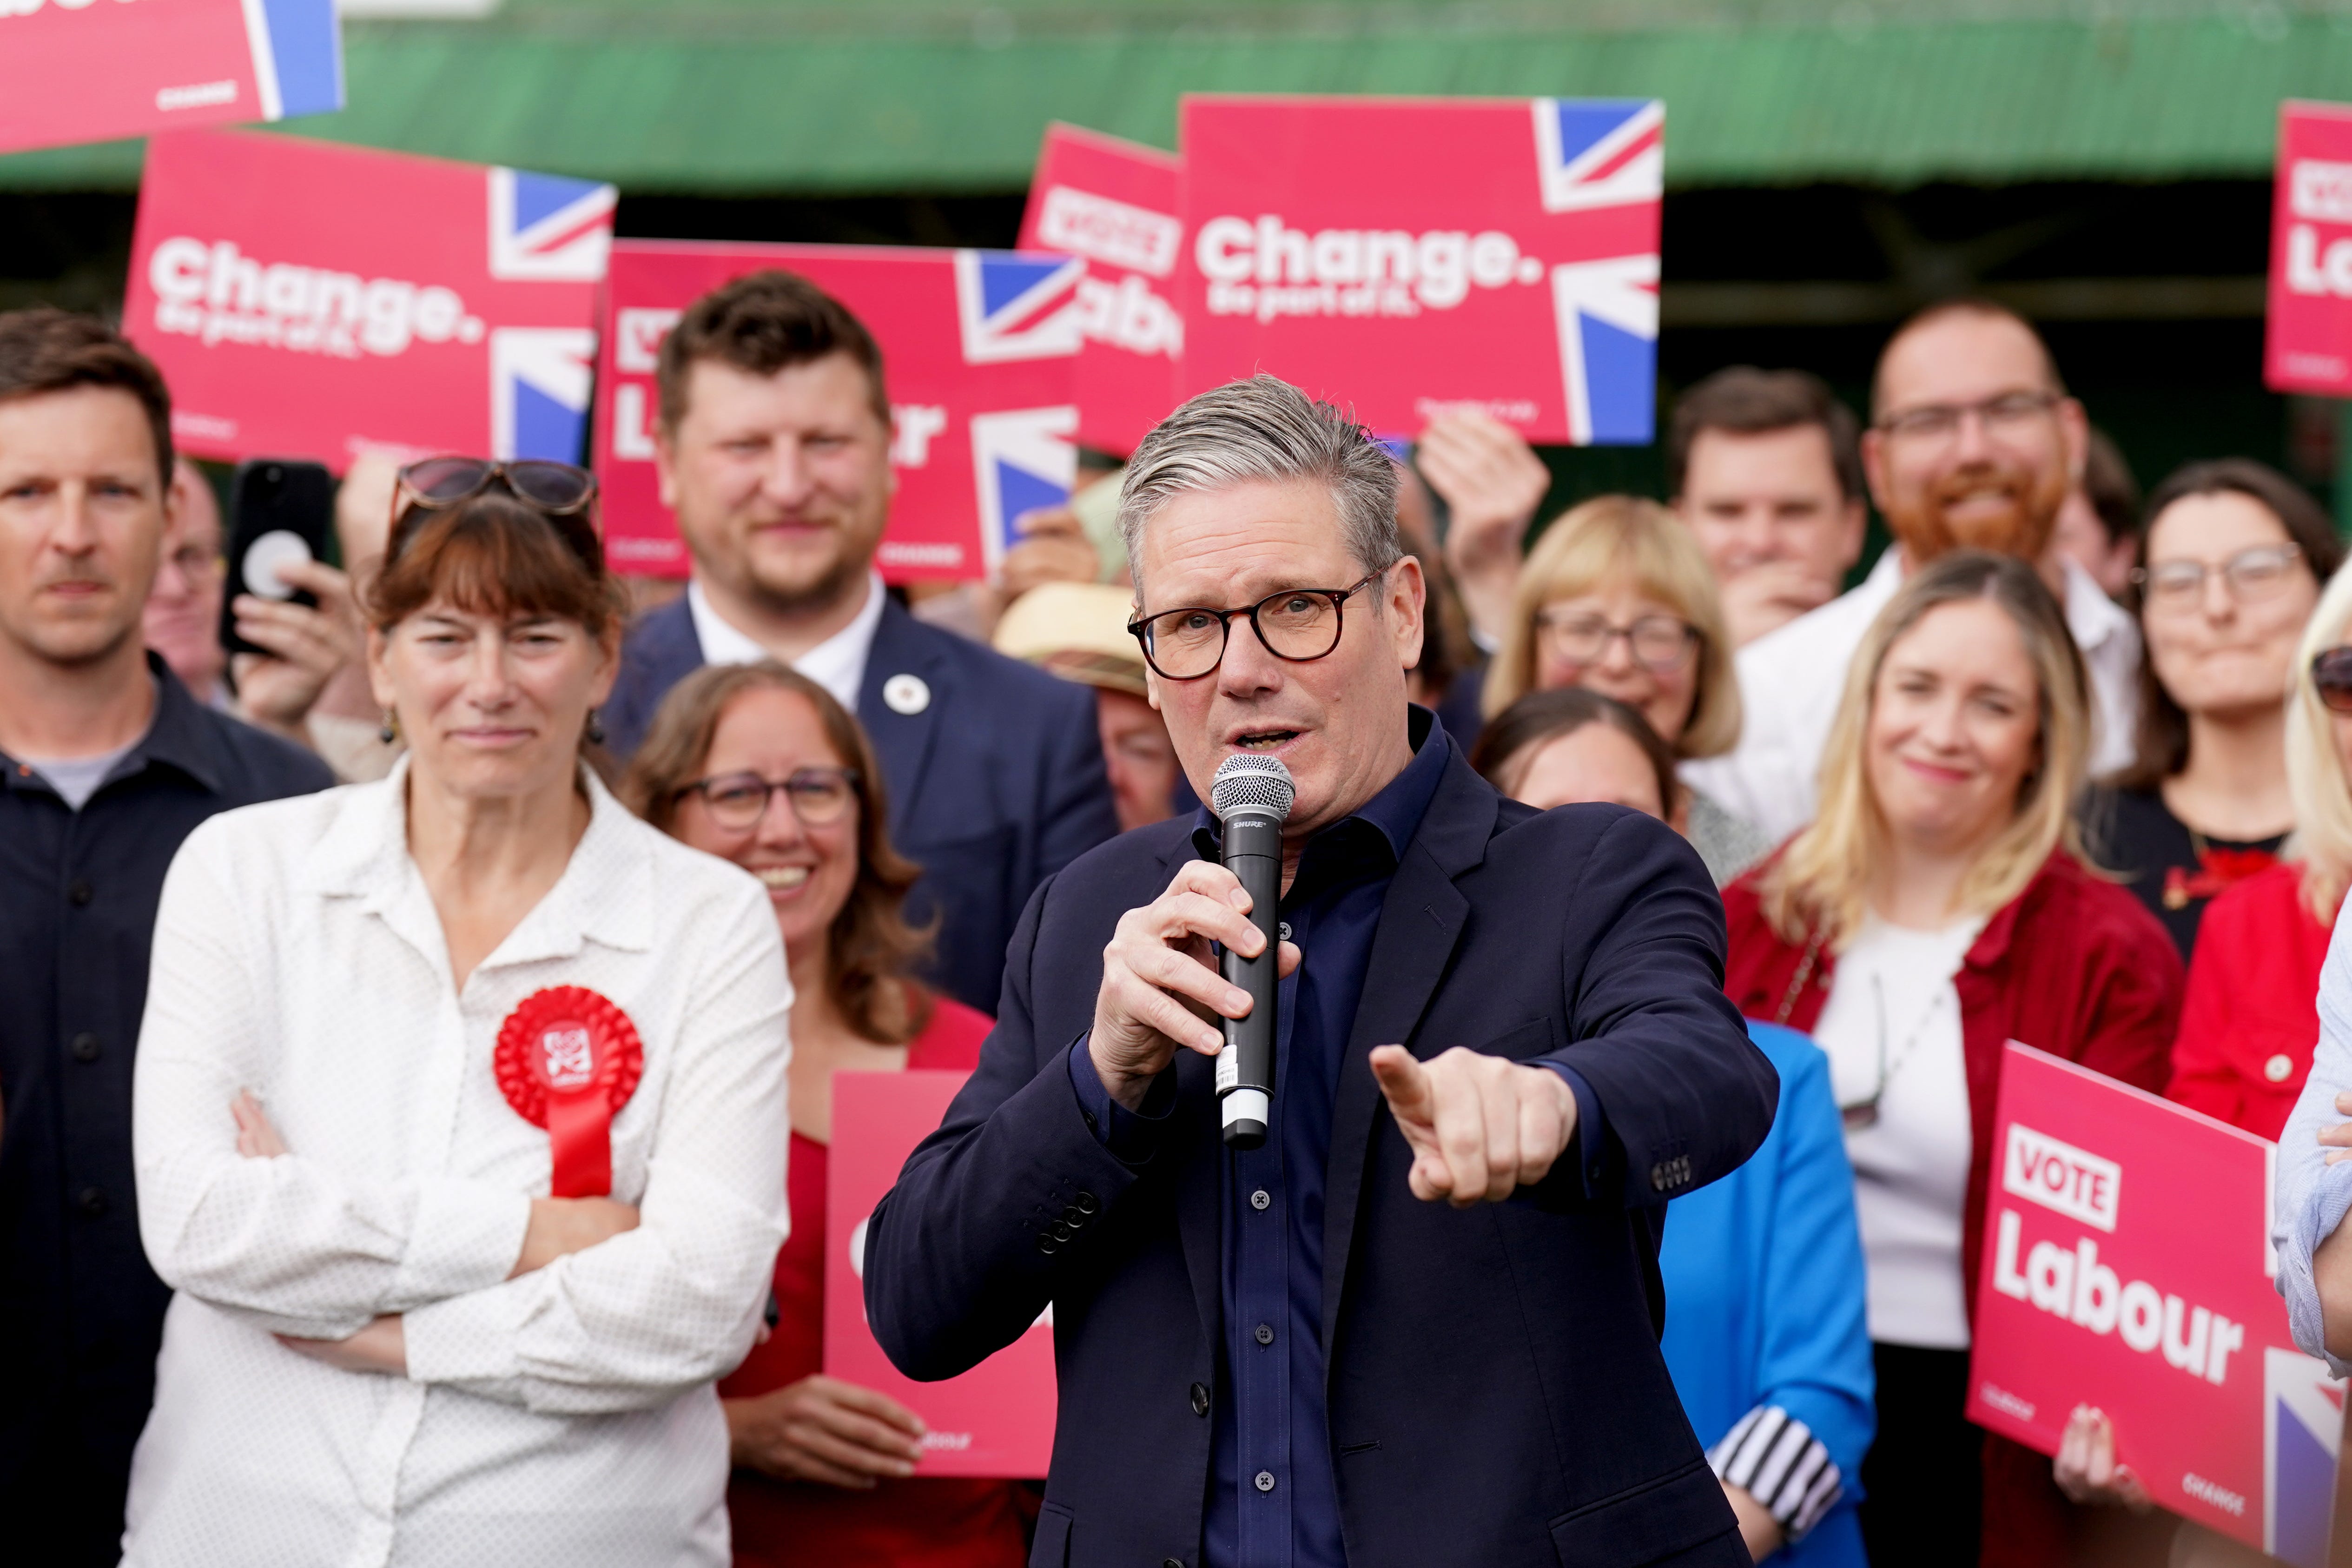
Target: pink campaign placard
2127,1266
978,347
1114,203
298,311
75,70
996,1419
1411,256
2308,343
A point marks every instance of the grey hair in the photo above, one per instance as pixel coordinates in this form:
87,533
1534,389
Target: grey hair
1264,428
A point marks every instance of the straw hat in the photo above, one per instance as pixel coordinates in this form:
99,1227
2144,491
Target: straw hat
1077,630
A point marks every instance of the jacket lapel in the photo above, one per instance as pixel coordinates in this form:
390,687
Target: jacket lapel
903,741
1421,919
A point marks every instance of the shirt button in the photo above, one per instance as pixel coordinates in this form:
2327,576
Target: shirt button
1265,1333
1260,1198
85,1046
1265,1480
2277,1068
1200,1399
77,892
90,1201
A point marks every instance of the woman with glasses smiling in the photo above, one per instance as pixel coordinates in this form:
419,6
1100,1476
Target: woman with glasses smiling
1617,598
2236,554
758,765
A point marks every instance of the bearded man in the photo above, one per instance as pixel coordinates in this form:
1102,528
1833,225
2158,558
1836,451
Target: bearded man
1974,444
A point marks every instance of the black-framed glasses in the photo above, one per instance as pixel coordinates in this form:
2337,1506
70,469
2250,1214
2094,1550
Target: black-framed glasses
2008,415
2331,674
1659,644
2251,575
818,796
1301,624
562,493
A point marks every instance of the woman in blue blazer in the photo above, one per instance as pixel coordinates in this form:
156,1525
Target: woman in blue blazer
1766,1333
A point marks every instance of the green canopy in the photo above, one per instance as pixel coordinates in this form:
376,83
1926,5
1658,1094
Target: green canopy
804,97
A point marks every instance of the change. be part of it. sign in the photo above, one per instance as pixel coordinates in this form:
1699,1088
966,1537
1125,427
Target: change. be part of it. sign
308,300
1409,257
90,70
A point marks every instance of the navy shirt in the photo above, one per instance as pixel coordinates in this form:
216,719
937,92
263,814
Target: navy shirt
80,1312
1272,1500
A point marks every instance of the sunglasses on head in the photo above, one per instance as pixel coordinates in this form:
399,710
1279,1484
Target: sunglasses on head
562,494
2331,674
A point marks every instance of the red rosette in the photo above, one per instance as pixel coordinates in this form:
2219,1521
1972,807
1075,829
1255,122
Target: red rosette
567,1060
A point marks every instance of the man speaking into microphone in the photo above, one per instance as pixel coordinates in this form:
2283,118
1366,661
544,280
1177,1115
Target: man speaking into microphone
1417,1324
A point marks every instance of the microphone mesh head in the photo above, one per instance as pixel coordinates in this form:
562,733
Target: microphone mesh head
1249,783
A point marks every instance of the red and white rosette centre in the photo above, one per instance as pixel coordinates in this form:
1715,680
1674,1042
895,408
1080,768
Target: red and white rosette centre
567,1060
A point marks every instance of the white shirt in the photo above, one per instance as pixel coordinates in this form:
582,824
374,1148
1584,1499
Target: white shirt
1911,1167
837,664
1791,678
566,1419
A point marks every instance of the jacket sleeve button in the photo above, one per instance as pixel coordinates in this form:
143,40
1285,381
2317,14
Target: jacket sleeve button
1048,1245
1086,1202
1200,1399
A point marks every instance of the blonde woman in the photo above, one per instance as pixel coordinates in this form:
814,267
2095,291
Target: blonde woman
1934,909
1617,598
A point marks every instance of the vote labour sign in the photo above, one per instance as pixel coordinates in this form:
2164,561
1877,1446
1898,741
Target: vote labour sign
311,300
978,348
1408,257
996,1419
2127,1266
2308,345
89,70
1114,203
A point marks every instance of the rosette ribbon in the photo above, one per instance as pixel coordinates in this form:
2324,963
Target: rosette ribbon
567,1060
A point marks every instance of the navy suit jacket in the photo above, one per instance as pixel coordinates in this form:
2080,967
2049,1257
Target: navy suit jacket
996,784
1495,1393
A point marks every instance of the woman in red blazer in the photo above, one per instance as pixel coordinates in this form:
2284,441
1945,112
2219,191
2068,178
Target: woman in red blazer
2251,1023
1935,910
823,1468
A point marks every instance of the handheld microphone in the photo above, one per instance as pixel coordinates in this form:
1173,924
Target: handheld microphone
1252,795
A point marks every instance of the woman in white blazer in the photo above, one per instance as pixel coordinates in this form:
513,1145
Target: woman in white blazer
459,1109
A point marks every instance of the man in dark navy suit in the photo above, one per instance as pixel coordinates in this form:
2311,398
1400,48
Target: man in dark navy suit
774,449
1419,1326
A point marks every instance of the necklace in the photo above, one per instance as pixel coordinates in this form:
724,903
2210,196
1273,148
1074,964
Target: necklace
1864,1114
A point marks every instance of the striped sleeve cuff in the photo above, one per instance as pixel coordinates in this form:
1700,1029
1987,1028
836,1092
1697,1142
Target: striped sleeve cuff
1775,1459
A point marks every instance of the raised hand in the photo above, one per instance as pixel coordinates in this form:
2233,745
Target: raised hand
306,647
1480,1126
1160,988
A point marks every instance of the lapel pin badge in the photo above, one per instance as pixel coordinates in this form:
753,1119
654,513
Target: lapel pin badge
907,694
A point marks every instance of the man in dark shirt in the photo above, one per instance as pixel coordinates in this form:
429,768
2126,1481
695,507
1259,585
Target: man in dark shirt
1419,1325
107,764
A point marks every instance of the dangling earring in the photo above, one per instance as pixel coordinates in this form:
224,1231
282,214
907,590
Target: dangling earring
389,730
595,729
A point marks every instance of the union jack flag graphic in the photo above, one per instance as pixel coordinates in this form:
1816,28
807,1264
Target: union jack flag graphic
541,379
2303,1426
1022,458
1015,306
548,229
1605,157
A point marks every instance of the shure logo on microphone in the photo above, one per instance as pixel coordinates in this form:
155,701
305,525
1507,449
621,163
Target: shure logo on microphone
1268,270
212,292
